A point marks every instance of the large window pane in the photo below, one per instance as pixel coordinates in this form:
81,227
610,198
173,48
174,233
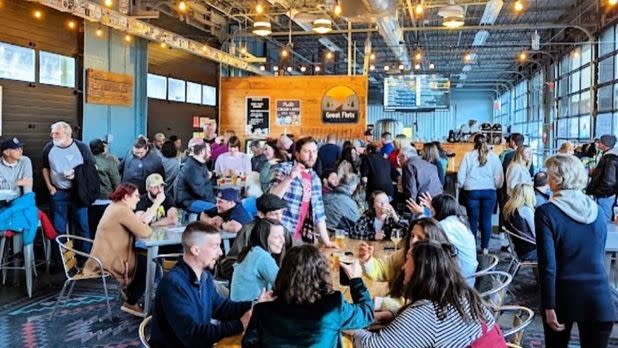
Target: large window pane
573,131
156,86
585,77
16,63
194,93
55,69
604,124
175,90
606,44
563,107
586,54
563,126
209,95
584,103
606,69
584,127
574,82
605,98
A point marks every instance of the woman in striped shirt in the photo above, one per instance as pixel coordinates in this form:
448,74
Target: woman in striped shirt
442,310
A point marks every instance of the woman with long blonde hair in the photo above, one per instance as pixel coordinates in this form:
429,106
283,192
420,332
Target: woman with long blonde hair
518,171
519,219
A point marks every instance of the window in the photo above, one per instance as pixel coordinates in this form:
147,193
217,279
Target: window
17,63
156,86
175,90
194,93
209,95
55,69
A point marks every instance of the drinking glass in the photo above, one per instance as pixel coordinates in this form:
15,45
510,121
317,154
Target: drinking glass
396,236
339,238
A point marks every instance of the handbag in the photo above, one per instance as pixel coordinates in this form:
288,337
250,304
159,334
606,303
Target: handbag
490,338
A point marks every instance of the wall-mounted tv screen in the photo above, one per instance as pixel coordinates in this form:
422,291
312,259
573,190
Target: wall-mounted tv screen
416,92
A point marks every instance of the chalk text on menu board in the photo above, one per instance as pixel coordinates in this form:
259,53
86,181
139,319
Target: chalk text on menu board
258,115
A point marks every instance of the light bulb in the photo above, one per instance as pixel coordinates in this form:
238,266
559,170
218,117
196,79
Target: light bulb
518,6
317,69
38,14
372,56
303,68
431,66
259,9
387,68
71,24
284,53
182,6
243,50
612,2
289,69
127,38
337,10
417,66
522,56
468,57
329,55
419,9
262,68
401,67
108,3
163,45
99,32
372,67
418,56
275,68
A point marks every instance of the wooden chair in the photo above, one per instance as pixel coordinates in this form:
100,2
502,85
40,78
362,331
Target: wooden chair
521,318
144,334
74,273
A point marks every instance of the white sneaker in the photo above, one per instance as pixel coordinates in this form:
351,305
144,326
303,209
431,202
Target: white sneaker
135,310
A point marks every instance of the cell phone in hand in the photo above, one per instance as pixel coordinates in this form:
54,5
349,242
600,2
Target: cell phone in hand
344,280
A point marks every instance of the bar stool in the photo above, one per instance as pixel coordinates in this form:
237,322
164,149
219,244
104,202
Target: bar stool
9,261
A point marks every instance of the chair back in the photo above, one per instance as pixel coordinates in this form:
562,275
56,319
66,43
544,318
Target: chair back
144,331
69,253
521,318
487,262
492,286
166,262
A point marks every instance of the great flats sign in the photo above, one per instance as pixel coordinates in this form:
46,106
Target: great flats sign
340,104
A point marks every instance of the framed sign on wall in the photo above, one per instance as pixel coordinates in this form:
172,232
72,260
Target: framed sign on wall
258,116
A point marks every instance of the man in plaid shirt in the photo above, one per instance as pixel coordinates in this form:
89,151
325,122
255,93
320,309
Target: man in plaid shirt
299,185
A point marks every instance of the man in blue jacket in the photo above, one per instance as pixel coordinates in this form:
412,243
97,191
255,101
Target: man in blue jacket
187,300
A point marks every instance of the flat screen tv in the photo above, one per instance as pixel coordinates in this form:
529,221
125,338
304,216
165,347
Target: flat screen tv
416,92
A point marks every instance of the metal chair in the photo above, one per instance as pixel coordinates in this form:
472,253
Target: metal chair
487,262
144,335
492,287
30,263
516,263
74,273
521,318
512,345
165,262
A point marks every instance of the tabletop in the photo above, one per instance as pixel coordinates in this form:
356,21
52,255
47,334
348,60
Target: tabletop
171,235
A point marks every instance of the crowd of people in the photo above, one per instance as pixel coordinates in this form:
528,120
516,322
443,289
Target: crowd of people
280,287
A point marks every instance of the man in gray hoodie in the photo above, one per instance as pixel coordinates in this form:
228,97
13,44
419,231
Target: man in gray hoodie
603,181
418,175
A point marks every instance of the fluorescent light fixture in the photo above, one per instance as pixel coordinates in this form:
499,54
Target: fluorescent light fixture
492,10
480,38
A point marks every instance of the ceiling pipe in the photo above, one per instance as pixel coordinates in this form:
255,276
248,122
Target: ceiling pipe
391,31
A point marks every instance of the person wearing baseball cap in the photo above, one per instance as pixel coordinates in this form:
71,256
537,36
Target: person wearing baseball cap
603,183
16,169
228,214
157,208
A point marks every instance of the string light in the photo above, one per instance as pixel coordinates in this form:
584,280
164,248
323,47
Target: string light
417,66
275,68
259,8
108,3
243,50
289,69
262,68
372,56
182,6
303,68
431,66
284,53
317,69
71,24
518,6
372,67
99,32
419,9
468,57
127,38
612,2
38,14
401,67
522,56
163,45
338,9
329,55
418,56
387,68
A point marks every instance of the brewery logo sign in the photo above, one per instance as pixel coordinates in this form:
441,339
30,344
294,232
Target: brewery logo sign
340,104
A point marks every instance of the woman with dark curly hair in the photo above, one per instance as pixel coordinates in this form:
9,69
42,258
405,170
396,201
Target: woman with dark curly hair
307,312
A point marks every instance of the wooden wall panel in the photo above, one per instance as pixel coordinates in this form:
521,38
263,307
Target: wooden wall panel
308,89
29,110
172,118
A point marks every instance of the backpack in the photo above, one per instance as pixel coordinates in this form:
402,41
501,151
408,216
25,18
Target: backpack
86,185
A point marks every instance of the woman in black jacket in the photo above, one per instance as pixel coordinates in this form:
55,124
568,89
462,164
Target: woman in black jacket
376,172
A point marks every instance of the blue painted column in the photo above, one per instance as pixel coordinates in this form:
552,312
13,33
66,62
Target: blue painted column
118,124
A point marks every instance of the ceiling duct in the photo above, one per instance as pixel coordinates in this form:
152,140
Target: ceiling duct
391,31
492,10
364,11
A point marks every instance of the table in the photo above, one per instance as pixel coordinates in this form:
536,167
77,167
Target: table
162,236
235,342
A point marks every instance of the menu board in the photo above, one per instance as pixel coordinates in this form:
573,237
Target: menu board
258,114
417,92
288,112
108,88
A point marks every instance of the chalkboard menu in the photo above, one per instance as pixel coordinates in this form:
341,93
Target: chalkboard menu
258,116
288,112
416,92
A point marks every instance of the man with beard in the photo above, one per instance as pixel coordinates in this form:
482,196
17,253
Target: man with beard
187,300
165,214
299,185
60,158
228,214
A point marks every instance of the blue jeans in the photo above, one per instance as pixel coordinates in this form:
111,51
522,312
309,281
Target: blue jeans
606,206
199,206
480,207
61,204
